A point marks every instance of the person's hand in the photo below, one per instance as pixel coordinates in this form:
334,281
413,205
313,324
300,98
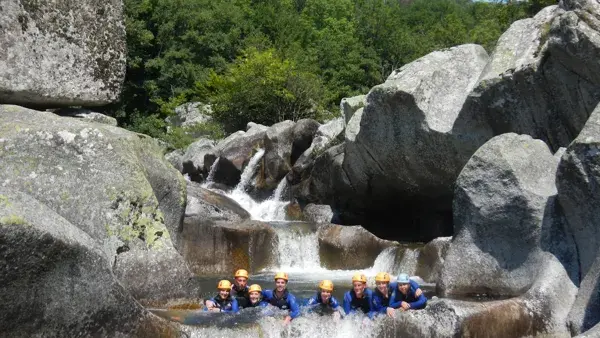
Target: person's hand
405,306
209,304
390,312
419,292
175,318
287,320
214,309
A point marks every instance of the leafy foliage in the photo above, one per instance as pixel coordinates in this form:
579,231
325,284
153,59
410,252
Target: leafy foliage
268,60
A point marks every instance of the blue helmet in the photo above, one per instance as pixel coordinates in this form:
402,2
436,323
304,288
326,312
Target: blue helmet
403,279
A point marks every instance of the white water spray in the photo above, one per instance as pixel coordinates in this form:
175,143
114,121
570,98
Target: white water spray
249,171
273,209
211,172
298,250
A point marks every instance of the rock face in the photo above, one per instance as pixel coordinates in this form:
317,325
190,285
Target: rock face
114,185
86,114
500,206
66,54
189,114
278,150
349,106
578,178
316,213
192,161
303,134
402,143
348,247
431,259
207,205
221,247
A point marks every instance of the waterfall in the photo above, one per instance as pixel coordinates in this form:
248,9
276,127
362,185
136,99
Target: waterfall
408,262
273,209
213,170
385,261
297,250
249,171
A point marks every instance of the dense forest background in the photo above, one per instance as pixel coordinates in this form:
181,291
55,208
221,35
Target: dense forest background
270,60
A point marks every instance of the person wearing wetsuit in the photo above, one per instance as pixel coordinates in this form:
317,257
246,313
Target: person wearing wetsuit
239,290
281,298
255,294
404,295
324,299
223,301
360,298
383,293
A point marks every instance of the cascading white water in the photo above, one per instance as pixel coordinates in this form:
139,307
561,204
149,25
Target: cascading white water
297,250
385,261
273,209
249,170
212,171
408,263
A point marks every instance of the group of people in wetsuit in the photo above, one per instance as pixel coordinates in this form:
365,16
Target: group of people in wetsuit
388,297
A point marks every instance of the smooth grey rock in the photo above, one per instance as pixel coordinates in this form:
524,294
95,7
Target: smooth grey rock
192,161
349,247
112,184
278,150
577,181
176,159
56,279
402,143
317,213
591,333
303,134
86,114
208,205
431,259
500,204
256,127
189,114
70,53
349,105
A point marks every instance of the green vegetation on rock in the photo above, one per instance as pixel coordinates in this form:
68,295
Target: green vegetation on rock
13,220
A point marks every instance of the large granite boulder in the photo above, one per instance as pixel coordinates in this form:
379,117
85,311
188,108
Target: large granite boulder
578,179
112,184
401,152
431,259
190,114
343,247
205,204
349,106
192,161
502,203
57,280
303,134
221,247
86,114
70,53
278,150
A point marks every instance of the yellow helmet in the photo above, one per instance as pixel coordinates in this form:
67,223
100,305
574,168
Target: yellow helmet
241,273
224,285
359,277
326,285
382,277
281,275
254,288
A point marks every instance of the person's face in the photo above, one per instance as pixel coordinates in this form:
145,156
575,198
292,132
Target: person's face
241,282
359,288
223,293
254,297
382,287
325,295
404,288
280,285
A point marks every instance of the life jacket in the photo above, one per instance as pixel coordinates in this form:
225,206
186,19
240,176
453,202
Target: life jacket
385,301
223,304
360,303
242,296
282,302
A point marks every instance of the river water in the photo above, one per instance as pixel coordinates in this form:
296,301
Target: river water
298,255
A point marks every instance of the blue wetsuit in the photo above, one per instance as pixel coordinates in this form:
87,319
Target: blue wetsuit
415,302
226,305
286,302
364,304
241,295
316,300
381,303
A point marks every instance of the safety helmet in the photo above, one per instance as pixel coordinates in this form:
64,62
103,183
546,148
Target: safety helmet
403,279
254,288
281,275
224,285
241,273
382,277
359,277
326,285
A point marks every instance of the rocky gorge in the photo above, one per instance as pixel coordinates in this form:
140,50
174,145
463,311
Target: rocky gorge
491,160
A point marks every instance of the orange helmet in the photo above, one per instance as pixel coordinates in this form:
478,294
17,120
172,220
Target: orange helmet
326,285
281,275
241,273
382,277
254,288
359,277
224,285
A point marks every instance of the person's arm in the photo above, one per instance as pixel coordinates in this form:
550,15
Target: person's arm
267,295
395,303
294,308
377,304
419,303
415,287
234,306
347,300
372,311
312,301
334,303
